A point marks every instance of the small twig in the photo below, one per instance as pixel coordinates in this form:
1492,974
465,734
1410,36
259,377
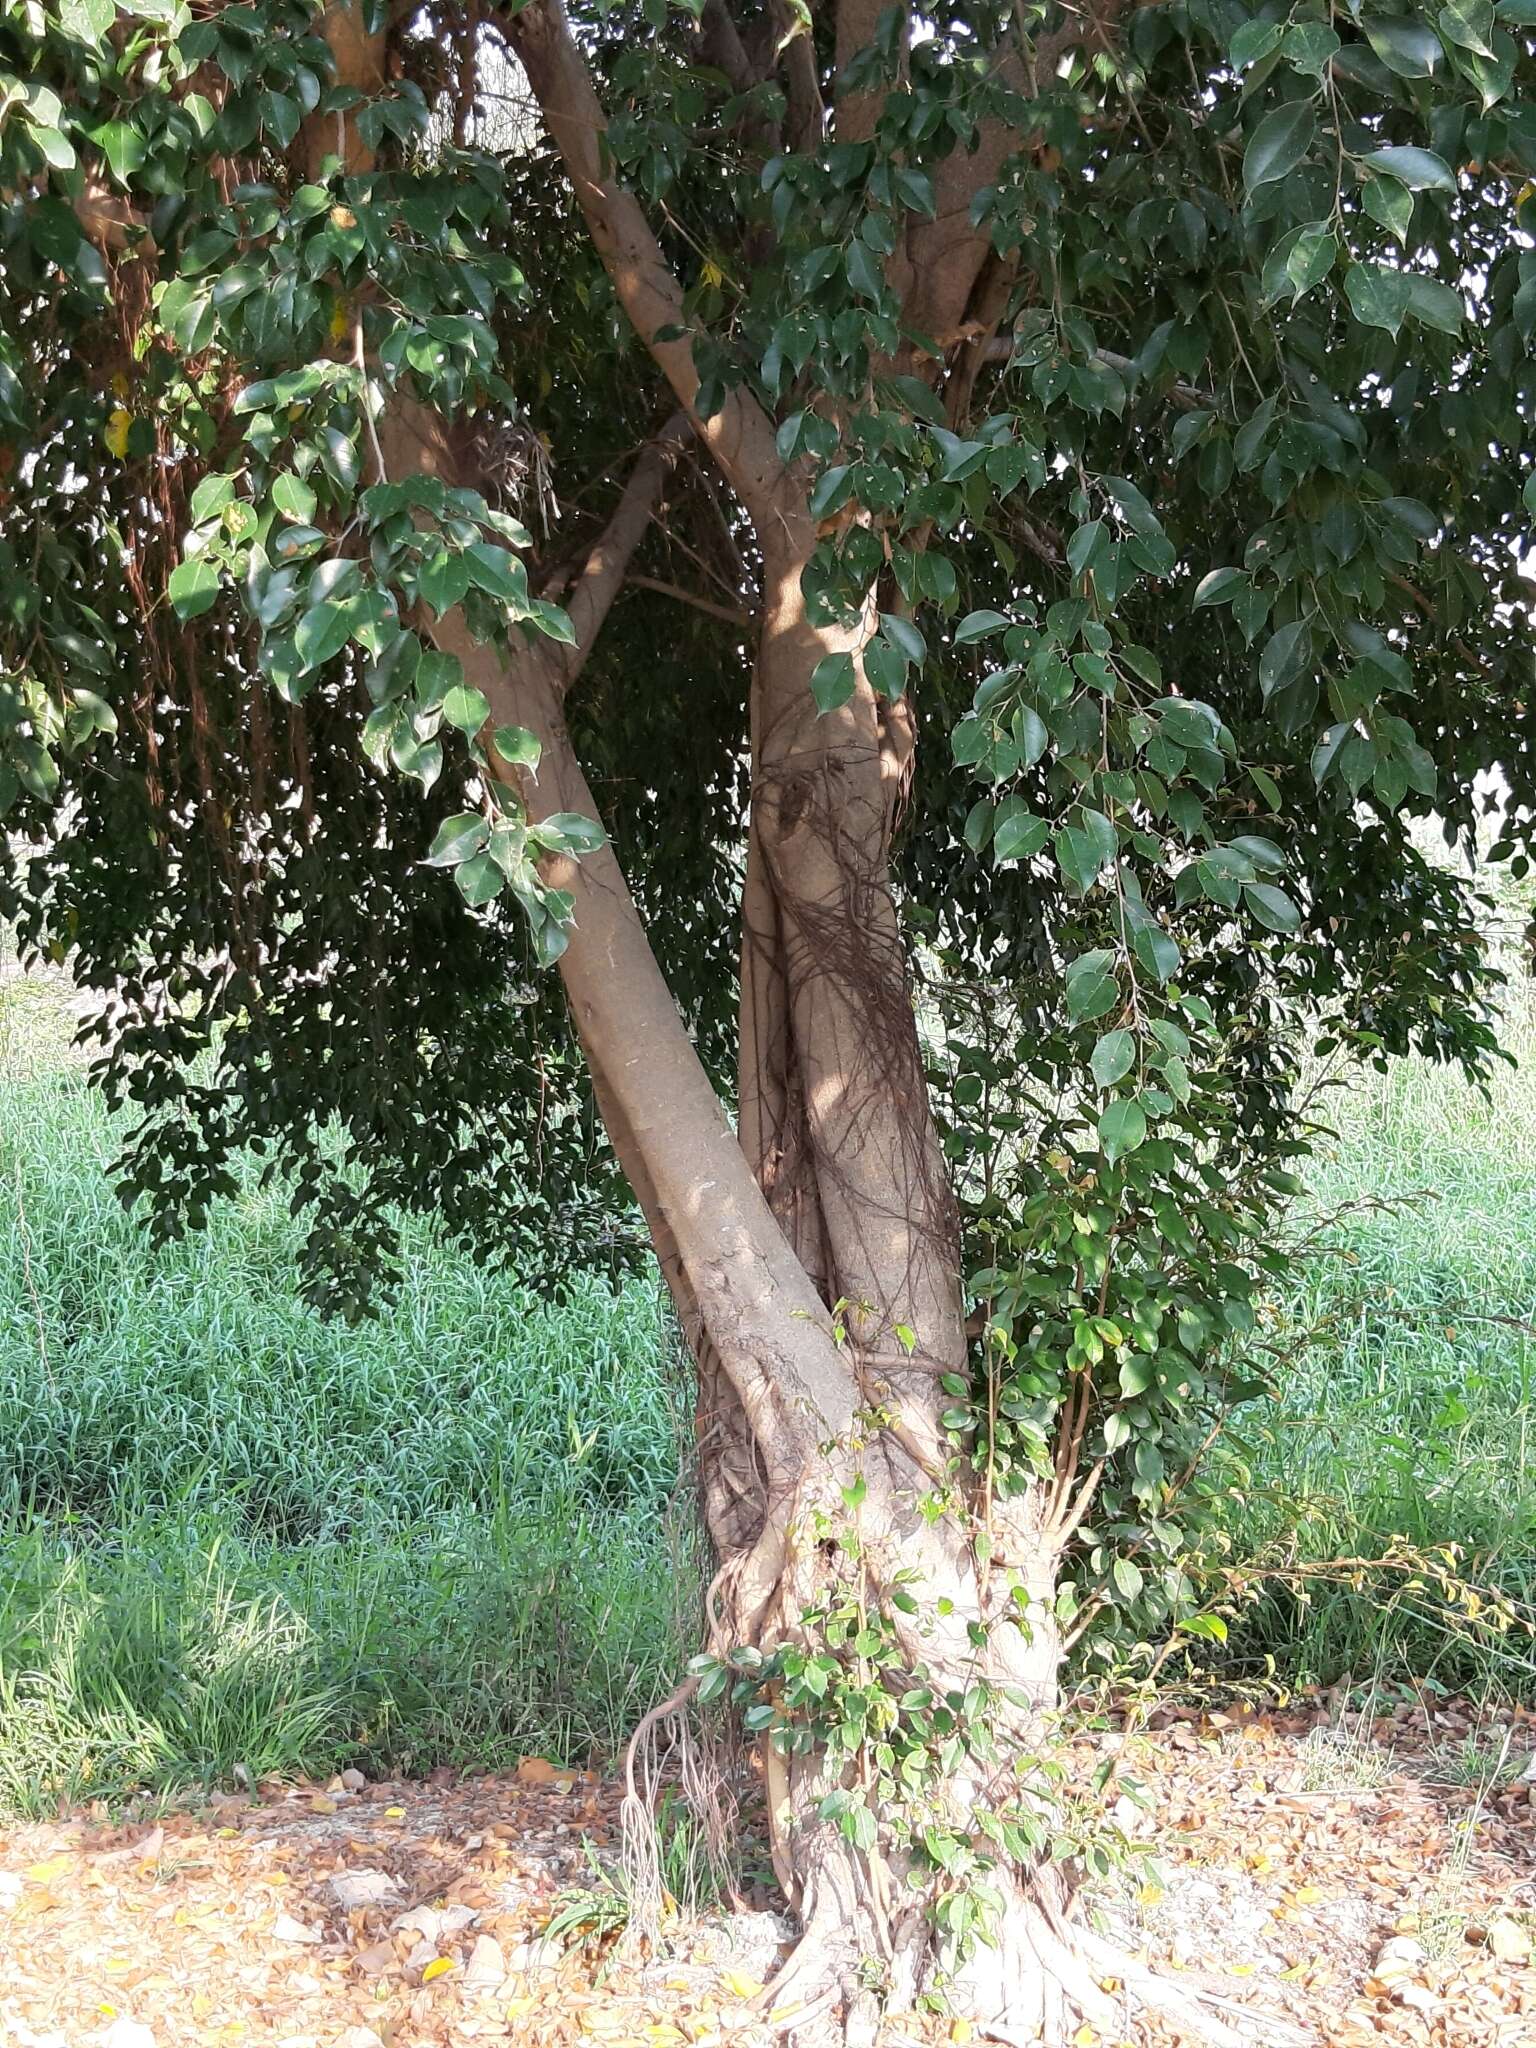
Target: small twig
730,613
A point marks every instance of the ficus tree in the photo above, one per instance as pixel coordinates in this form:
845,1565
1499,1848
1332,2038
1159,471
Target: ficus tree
847,610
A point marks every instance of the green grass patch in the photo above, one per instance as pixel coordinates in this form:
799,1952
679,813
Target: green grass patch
1405,1357
235,1536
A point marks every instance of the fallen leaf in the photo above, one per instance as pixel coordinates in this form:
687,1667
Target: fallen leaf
1508,1940
739,1985
286,1928
47,1873
438,1967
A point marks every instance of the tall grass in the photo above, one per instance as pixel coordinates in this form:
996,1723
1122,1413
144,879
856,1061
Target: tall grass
234,1535
1405,1354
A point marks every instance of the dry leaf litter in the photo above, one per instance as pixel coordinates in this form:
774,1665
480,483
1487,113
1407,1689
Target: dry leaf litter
1373,1880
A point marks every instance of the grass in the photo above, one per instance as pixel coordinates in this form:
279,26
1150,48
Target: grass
235,1537
1405,1354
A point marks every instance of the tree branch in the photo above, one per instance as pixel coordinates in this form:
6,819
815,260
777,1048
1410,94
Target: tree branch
732,615
740,434
602,576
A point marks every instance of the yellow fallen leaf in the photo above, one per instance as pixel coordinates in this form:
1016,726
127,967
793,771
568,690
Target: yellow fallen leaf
55,1867
394,1813
1306,1895
961,2030
1085,2037
1151,1895
519,2008
108,2012
739,1984
320,1804
115,1965
438,1967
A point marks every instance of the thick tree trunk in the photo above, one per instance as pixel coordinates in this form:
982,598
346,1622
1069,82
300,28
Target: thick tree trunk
814,1263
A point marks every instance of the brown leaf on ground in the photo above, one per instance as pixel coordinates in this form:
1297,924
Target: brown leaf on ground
1355,1885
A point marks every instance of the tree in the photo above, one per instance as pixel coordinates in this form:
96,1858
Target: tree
1015,513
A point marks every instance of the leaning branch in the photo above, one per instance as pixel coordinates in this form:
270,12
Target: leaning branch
733,615
740,434
607,565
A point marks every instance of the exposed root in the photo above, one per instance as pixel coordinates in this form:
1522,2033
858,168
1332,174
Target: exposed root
1034,1990
1070,1966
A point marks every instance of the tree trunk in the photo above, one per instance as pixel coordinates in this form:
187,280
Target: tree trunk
814,1261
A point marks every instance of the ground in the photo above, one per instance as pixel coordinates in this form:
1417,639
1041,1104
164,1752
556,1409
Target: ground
1372,1876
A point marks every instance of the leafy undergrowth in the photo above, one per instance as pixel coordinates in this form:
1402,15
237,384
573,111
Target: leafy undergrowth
1363,1877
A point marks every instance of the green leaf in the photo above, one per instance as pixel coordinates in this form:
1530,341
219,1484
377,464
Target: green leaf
1310,258
479,879
466,708
294,498
553,621
1283,656
1018,834
193,587
1469,24
1127,1579
339,455
1093,989
833,681
1253,42
1113,1057
443,580
1122,1128
570,832
1436,304
518,747
1278,144
977,625
322,632
497,573
1378,296
1310,47
124,148
1406,46
1272,907
210,498
1137,1373
457,839
1419,169
905,637
1218,586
